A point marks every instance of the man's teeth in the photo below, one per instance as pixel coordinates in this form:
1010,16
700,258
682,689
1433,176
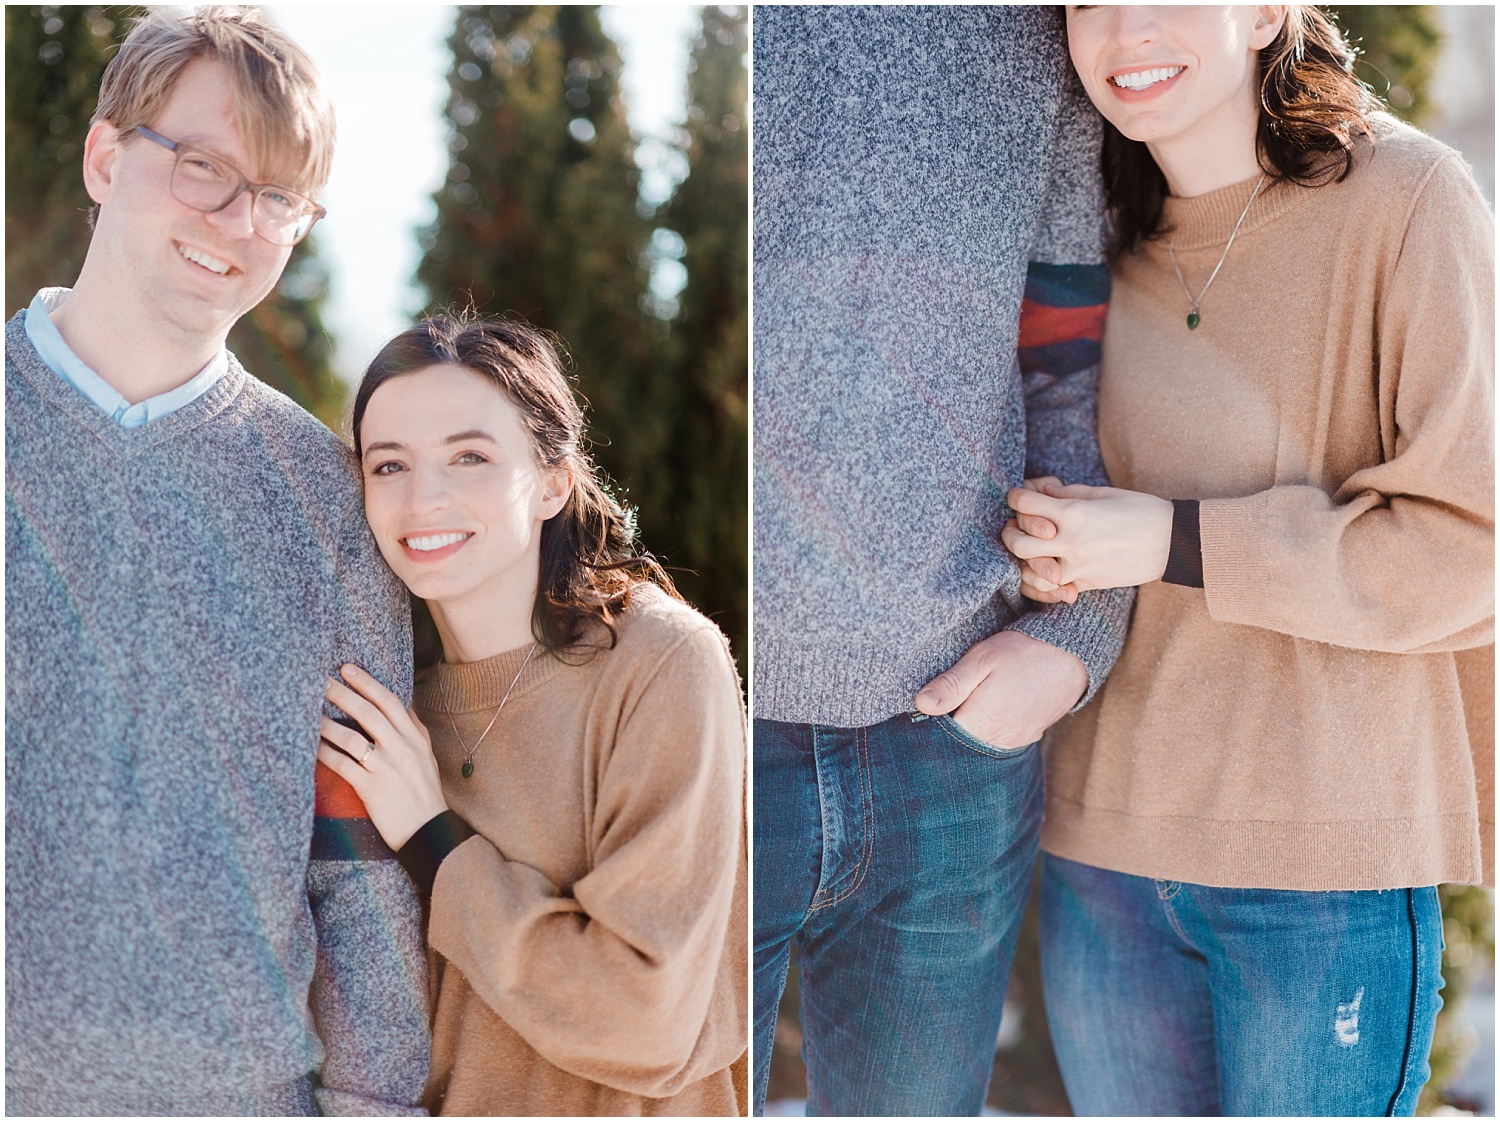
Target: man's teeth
1143,78
198,257
437,541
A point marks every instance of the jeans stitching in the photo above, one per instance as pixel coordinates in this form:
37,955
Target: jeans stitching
1171,913
867,846
1411,1013
973,743
819,890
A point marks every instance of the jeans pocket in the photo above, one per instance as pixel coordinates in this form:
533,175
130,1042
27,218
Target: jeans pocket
972,742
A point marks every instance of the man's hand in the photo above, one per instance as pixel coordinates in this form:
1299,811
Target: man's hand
1007,689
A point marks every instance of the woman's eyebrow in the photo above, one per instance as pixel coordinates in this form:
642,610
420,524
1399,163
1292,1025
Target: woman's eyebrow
456,438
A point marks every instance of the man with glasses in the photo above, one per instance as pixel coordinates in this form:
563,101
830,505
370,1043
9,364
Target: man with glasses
208,183
186,563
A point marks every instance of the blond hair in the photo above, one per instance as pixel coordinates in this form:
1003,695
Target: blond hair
280,107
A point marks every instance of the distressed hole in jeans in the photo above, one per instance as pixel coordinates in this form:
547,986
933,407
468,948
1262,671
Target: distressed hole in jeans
1346,1020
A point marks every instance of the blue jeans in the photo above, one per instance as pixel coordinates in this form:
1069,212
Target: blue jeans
898,857
1167,998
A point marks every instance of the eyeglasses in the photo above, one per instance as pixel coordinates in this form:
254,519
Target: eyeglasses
209,183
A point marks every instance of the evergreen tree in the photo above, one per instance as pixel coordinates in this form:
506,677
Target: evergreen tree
54,58
707,467
539,219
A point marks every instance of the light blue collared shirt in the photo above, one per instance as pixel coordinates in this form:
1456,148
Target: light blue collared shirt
56,353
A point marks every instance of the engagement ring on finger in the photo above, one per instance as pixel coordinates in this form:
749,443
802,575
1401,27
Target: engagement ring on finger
369,747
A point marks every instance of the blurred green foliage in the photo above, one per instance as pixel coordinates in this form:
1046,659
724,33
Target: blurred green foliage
541,218
1398,47
701,481
54,58
1468,955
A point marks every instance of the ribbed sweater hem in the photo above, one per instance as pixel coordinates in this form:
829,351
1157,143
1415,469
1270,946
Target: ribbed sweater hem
1303,856
842,688
847,686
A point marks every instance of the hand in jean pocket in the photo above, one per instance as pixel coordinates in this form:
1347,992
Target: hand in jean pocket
1007,689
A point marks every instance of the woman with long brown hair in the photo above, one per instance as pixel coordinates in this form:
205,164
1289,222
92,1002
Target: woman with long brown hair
1246,826
567,789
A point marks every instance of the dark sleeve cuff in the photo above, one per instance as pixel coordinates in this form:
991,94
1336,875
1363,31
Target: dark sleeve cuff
1185,558
424,851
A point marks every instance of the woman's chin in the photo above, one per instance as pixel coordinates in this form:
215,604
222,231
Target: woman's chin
1143,128
429,586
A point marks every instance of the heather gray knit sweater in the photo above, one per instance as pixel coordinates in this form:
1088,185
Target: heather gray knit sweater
910,162
175,596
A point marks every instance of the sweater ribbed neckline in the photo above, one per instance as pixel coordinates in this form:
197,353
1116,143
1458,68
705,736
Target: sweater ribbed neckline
1206,221
463,687
88,416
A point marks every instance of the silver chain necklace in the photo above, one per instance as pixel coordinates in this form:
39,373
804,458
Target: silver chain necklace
1193,317
468,768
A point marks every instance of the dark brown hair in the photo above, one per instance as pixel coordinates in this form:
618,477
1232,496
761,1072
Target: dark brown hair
1311,109
589,561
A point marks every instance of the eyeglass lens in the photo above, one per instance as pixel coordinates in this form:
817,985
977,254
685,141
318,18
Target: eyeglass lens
207,184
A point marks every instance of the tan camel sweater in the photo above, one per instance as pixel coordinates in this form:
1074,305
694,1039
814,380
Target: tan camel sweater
589,945
1320,715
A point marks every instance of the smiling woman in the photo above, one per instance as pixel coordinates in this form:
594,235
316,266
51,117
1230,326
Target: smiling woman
443,374
1246,828
479,492
575,816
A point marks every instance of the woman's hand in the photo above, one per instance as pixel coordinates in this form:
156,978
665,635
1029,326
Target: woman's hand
393,772
1106,537
1040,578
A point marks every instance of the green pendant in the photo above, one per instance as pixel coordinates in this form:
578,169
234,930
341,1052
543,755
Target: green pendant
468,768
1192,320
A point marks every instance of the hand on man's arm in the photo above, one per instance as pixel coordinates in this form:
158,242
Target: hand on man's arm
369,994
1007,689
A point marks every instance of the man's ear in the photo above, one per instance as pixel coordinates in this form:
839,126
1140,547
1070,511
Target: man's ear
101,153
557,485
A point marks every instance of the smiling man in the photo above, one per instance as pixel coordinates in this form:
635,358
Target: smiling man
186,563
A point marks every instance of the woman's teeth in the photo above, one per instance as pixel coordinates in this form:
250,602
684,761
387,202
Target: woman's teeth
1143,78
437,541
198,257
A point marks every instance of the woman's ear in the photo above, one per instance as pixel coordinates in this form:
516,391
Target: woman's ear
101,152
557,485
1268,21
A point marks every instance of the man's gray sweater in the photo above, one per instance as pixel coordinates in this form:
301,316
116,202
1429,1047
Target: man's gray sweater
176,596
910,164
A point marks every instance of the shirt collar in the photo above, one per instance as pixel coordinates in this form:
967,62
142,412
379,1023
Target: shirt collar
55,352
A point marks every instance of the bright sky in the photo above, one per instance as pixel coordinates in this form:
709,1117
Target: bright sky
387,70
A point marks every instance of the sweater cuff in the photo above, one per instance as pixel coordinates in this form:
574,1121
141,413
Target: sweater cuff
1092,629
1233,536
1185,557
424,851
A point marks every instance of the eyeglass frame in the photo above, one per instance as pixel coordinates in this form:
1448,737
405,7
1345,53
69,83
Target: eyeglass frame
179,149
